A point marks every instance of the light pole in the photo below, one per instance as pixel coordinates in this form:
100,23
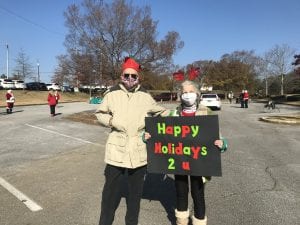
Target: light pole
38,72
281,85
7,61
94,72
267,92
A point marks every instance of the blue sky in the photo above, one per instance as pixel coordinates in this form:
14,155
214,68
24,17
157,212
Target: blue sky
209,28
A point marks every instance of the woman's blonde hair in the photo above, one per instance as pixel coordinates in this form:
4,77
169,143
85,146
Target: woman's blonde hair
190,83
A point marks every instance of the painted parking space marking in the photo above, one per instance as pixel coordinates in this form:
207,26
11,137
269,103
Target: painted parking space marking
64,135
19,195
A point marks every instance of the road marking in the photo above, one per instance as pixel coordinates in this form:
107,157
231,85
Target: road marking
19,195
64,135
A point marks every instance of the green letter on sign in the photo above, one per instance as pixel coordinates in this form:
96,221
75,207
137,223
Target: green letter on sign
171,164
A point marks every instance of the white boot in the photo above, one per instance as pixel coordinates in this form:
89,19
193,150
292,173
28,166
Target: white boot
199,222
182,217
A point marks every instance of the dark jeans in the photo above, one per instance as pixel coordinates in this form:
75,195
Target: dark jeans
111,194
242,104
197,192
246,103
52,109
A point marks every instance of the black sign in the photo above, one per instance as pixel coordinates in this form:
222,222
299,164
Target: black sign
184,145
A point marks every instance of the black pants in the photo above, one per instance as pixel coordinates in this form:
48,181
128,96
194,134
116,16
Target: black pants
246,103
197,192
9,107
52,109
242,103
111,194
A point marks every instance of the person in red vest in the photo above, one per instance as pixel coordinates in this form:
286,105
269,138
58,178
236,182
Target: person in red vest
10,100
52,102
246,98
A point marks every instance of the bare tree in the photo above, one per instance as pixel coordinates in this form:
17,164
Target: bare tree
23,68
279,60
262,70
101,35
63,73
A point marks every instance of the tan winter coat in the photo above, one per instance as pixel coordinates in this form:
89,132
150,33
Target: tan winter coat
125,113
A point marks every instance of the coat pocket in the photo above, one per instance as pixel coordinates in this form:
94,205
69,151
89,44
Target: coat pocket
115,148
142,150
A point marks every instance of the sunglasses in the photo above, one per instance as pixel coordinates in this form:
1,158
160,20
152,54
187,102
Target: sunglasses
133,76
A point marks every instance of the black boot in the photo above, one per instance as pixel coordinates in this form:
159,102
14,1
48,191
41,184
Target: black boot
7,111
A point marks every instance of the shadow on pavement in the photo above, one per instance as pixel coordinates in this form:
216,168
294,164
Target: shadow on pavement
160,187
17,111
5,113
235,106
157,187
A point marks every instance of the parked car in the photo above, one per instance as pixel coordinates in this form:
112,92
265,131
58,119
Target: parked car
53,86
166,96
36,86
7,83
67,88
19,84
212,101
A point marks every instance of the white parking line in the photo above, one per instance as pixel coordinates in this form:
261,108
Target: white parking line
19,195
64,135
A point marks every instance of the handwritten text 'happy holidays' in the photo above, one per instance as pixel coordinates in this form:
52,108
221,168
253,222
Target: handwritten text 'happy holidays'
179,149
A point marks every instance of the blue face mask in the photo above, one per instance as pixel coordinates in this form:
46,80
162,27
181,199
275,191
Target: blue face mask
189,99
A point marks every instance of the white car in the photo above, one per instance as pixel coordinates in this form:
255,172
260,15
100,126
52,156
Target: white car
19,84
53,86
211,100
7,83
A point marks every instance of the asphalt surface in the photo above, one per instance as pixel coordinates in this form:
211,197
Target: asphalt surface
58,164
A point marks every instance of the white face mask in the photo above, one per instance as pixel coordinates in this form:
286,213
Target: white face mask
189,99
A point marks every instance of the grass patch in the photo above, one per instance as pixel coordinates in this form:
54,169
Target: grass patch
25,97
84,117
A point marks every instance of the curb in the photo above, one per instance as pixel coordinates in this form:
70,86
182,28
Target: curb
292,120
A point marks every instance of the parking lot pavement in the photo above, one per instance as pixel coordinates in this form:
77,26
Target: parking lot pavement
59,165
68,188
35,158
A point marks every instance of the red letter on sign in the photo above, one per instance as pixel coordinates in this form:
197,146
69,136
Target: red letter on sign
186,165
169,130
185,130
157,147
